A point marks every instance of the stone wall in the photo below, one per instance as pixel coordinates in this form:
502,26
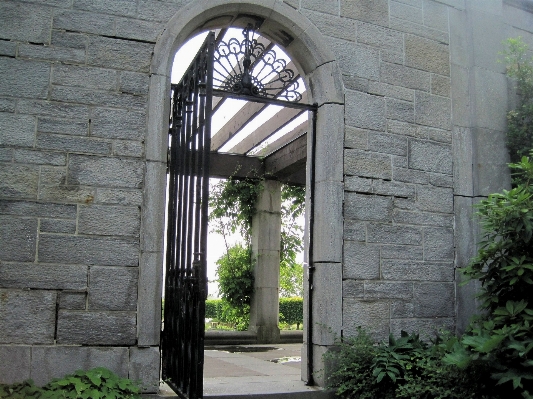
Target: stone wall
415,137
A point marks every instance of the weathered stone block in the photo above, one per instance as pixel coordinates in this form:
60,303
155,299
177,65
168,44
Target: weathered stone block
48,277
37,209
159,11
462,161
72,300
53,109
491,99
372,316
387,90
403,25
403,76
393,188
17,239
327,147
112,196
429,156
17,130
402,309
149,303
422,218
355,138
440,85
388,290
27,317
435,15
48,53
333,25
99,98
362,163
433,110
63,126
15,365
88,22
109,220
378,36
440,180
387,234
101,171
367,207
23,78
327,303
119,54
39,157
402,252
403,128
417,271
134,83
410,176
60,193
74,144
435,199
443,136
118,7
329,7
387,143
135,29
118,124
487,39
328,222
357,184
25,22
354,59
50,362
8,48
354,230
7,105
438,244
57,226
6,155
373,11
144,366
361,261
434,299
69,39
428,55
152,216
365,111
113,288
400,110
353,289
86,250
405,11
96,328
78,76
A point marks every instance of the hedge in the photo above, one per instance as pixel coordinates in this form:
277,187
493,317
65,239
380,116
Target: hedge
291,310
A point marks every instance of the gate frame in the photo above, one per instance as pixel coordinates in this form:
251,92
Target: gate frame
320,71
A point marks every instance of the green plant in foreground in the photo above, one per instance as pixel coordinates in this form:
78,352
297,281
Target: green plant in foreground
97,383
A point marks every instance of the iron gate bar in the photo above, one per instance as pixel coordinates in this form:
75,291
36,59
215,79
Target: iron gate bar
182,337
283,103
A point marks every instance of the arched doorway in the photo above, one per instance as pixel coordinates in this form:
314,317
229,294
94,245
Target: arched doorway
304,44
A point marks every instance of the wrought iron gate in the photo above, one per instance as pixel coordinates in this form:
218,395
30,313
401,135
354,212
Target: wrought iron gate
182,338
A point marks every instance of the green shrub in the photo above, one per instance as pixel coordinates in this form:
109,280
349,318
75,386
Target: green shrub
291,311
213,309
97,383
503,336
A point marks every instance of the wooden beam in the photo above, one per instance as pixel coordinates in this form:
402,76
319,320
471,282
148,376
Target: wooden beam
267,129
238,121
289,159
231,165
283,140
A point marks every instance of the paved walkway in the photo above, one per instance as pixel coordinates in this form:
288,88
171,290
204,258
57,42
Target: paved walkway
255,371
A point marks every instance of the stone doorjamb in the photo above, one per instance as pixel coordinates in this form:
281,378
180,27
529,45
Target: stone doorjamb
315,60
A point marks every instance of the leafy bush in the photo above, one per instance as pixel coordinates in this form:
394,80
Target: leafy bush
236,283
291,311
213,309
520,120
403,368
92,384
503,335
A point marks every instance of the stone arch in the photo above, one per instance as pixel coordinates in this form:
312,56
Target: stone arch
323,78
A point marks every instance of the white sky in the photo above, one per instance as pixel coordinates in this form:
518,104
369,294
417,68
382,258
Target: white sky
184,56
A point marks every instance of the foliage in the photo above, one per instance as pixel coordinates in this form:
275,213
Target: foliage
402,368
520,120
213,309
236,283
92,384
291,272
503,335
291,311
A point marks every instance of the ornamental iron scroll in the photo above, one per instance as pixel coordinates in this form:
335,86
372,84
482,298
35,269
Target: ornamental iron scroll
249,68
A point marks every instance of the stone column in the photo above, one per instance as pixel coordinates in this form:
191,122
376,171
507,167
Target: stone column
266,236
